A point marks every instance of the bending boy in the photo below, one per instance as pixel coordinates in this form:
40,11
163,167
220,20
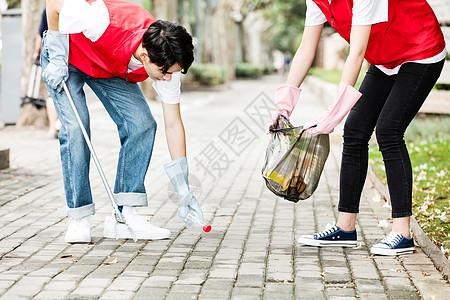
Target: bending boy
111,45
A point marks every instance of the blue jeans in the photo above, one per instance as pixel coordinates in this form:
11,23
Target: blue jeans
389,104
128,108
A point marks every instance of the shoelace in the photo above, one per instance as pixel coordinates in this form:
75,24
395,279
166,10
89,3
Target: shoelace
329,228
392,239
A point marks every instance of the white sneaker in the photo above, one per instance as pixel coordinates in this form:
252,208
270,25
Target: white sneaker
143,229
79,230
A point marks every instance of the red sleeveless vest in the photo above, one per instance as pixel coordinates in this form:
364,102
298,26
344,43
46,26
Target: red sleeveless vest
110,54
411,33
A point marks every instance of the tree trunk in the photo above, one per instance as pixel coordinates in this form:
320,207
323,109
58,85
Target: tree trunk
165,10
29,114
161,10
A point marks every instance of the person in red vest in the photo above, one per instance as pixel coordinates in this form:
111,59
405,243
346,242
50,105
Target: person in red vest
405,47
110,45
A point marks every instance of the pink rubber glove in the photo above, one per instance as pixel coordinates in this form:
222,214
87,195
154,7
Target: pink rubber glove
285,100
345,98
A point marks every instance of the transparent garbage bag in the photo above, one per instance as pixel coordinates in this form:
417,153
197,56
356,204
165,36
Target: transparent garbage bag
294,161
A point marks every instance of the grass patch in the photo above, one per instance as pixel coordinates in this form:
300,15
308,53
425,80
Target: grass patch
428,144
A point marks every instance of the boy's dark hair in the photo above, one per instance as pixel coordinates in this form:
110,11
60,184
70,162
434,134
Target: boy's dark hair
168,43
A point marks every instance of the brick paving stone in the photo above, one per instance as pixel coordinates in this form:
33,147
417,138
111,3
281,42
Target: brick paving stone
369,286
197,265
91,281
270,295
50,295
340,290
306,295
279,276
4,284
397,281
185,288
373,296
337,274
239,292
404,294
118,295
191,276
131,272
223,271
250,281
214,294
65,285
159,281
126,283
23,290
306,283
395,273
81,292
218,284
180,296
158,272
252,269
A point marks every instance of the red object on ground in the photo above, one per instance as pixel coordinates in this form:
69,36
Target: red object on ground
206,228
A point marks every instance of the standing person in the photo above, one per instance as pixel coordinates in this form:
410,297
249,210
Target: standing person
405,46
111,45
53,124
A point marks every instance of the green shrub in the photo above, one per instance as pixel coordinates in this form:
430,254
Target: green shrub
269,70
208,74
245,70
442,86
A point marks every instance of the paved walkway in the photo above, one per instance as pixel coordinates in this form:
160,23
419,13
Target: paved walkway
251,253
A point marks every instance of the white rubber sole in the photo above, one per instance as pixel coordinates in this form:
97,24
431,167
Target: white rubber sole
392,252
77,239
124,233
326,243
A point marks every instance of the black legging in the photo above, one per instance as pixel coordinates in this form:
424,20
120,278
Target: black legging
389,104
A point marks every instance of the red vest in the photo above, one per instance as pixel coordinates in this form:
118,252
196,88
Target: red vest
110,54
411,33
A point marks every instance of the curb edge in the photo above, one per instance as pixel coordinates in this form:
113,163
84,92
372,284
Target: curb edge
429,248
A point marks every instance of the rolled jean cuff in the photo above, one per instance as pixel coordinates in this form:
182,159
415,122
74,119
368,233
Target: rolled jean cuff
131,199
81,212
348,210
401,215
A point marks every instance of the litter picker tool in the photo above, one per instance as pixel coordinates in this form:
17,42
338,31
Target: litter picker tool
120,218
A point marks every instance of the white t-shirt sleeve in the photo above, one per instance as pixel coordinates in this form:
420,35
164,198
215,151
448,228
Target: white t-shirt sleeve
169,91
79,16
314,16
367,12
